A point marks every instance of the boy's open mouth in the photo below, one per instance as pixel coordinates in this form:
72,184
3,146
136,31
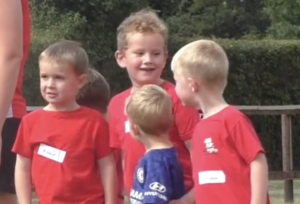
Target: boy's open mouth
51,94
147,69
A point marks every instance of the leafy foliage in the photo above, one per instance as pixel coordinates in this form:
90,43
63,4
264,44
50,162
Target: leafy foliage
285,18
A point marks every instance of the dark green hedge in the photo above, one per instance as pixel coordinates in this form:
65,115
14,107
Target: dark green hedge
264,72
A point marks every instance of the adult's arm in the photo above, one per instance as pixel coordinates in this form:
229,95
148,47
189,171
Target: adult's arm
11,52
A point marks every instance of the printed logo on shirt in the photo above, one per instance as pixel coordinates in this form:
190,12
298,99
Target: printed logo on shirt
156,194
52,153
137,197
209,146
155,186
140,175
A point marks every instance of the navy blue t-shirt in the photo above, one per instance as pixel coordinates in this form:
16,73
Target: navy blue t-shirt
158,178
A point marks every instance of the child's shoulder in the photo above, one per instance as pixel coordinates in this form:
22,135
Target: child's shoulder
119,98
85,110
229,117
92,115
233,115
34,115
229,114
161,156
152,162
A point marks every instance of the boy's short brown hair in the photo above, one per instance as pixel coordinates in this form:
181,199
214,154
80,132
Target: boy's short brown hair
67,52
205,60
95,93
150,107
144,21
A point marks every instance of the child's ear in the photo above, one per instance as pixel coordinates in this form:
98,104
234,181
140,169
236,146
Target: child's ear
134,129
166,55
120,57
81,80
193,84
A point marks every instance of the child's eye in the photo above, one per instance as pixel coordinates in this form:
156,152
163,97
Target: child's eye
59,77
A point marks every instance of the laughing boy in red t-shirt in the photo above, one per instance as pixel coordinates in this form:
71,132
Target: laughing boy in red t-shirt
142,51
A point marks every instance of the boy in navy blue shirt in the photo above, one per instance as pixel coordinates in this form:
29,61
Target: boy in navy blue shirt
158,177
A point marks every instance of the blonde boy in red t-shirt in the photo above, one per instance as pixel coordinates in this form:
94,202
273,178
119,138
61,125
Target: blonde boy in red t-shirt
63,148
229,162
142,51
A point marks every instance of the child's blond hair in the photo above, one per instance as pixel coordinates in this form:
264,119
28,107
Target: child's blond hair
67,52
205,60
144,21
95,93
150,107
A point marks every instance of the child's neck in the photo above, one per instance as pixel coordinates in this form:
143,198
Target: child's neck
62,107
212,104
136,86
157,142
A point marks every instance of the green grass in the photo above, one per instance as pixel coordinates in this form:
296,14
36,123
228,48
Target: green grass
276,190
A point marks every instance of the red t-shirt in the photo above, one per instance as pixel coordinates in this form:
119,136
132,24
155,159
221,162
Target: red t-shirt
185,120
223,146
83,136
17,108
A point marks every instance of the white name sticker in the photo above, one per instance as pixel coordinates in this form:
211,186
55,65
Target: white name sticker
127,127
52,153
206,177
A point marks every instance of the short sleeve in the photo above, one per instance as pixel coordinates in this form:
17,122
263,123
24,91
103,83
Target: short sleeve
22,144
246,140
101,144
186,119
157,186
114,141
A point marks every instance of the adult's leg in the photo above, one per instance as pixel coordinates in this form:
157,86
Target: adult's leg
8,160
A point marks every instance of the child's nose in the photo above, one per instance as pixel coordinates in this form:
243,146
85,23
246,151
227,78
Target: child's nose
147,58
50,82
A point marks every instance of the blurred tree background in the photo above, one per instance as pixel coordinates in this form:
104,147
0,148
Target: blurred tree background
260,37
